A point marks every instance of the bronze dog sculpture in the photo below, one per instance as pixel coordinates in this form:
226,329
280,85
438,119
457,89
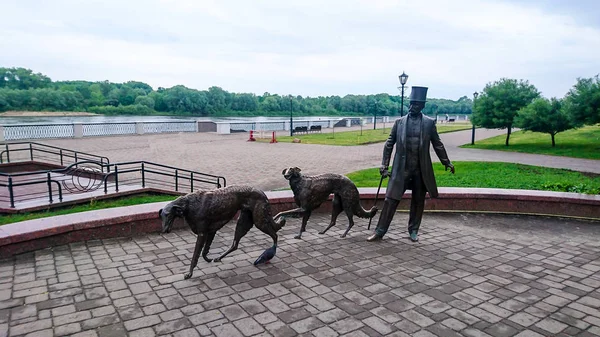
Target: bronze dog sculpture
206,212
311,191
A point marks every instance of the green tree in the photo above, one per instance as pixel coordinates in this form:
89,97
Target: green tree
181,99
500,102
145,100
126,95
270,104
3,102
105,87
46,99
96,96
336,103
583,101
140,85
354,103
18,99
244,102
159,99
543,115
374,106
218,99
22,79
113,97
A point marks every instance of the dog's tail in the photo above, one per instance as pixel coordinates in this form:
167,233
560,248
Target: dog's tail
363,213
279,223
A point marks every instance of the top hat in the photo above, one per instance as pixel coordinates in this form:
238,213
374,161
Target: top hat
418,94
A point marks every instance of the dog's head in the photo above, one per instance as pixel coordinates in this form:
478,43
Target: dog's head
291,172
168,214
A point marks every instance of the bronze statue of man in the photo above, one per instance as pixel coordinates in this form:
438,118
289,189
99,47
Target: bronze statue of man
412,168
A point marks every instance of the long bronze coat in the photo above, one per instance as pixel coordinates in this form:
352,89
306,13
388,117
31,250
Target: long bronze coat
397,137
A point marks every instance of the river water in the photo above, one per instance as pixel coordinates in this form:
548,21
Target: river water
123,119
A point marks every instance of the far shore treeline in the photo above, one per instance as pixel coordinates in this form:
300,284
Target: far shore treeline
23,90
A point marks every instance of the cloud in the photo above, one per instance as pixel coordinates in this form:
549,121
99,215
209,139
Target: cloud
308,48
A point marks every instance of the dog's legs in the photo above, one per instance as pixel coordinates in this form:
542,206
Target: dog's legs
294,213
350,214
337,208
199,243
265,225
264,222
244,224
305,217
209,239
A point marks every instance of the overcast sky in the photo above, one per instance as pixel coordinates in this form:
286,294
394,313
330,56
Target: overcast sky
307,47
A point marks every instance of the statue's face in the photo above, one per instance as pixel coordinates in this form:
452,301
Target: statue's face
168,215
416,107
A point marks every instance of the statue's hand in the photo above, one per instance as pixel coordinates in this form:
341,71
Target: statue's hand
451,168
383,170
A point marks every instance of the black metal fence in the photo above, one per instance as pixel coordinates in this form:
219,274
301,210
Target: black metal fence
31,151
148,174
93,176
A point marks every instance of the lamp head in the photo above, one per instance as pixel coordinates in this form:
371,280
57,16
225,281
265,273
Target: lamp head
403,78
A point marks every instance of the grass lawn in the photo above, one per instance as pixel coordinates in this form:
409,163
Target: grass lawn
498,175
92,205
369,136
578,143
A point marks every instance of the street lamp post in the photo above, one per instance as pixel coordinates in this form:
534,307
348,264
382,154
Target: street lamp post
475,94
291,120
374,120
403,78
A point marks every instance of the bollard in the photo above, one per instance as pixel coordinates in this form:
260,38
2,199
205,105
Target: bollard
273,140
251,139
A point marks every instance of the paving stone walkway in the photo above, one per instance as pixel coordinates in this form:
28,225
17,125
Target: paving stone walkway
470,275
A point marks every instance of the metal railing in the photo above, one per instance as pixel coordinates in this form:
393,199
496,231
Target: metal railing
355,121
90,176
270,126
164,127
38,131
323,124
79,130
14,181
301,123
242,127
148,174
108,129
30,151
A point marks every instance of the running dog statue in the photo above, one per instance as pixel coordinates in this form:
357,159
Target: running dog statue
206,212
311,191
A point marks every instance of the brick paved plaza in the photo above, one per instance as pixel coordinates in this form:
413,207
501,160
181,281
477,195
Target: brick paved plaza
470,275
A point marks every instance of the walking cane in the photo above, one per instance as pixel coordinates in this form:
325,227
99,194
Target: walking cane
376,197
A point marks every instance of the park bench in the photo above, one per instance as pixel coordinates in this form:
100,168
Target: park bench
306,129
301,129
